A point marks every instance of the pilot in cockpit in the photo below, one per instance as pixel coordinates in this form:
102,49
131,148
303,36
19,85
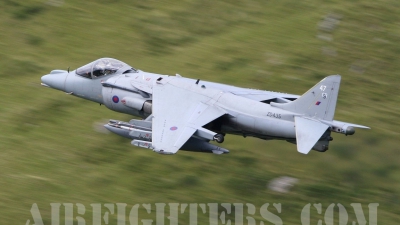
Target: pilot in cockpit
101,67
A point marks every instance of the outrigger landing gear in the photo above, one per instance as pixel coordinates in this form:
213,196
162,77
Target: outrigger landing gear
219,138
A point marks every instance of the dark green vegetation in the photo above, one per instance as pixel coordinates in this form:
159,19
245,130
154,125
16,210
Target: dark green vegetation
50,151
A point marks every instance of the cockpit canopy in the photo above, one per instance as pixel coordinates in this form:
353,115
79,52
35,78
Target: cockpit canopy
101,67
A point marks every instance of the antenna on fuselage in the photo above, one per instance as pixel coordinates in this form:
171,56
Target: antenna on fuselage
197,82
68,69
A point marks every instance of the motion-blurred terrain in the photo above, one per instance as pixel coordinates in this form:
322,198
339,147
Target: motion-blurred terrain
51,149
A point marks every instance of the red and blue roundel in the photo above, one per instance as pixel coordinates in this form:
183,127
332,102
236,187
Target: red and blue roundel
173,128
115,99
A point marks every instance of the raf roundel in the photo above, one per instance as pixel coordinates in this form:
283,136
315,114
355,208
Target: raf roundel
115,99
173,128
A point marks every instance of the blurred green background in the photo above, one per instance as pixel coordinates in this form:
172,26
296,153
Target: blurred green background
51,150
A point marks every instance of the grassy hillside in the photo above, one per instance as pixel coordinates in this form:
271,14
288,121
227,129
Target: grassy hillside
52,152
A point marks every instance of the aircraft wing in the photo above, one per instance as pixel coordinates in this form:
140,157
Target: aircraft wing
179,110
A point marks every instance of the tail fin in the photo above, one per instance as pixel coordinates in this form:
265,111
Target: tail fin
318,102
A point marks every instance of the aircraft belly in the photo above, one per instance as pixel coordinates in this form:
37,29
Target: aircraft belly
259,127
246,123
275,127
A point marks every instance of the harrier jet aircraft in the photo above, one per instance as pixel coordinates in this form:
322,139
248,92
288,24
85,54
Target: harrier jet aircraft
182,113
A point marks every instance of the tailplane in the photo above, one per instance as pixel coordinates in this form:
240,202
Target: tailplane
310,135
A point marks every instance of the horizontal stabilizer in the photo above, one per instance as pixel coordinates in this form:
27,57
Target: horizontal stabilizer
308,132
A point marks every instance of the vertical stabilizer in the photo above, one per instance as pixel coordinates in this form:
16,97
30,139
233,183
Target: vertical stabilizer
318,102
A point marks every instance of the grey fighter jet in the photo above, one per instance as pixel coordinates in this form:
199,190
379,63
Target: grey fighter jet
182,113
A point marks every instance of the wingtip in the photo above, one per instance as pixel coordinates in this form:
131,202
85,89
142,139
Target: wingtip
303,151
162,152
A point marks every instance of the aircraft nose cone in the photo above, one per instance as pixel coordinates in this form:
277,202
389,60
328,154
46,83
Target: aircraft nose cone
56,81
